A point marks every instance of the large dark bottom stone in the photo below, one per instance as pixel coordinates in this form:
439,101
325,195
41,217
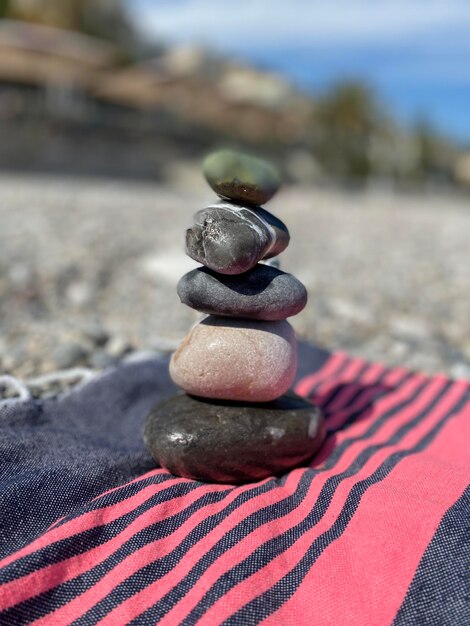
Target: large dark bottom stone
232,442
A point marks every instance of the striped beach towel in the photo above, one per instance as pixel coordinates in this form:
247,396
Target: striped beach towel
374,531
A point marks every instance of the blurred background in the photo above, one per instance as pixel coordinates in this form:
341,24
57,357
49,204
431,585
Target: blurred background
107,107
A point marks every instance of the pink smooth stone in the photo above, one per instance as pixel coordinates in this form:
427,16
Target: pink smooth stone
236,359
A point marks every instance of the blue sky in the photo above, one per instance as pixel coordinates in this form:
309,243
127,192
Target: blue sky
416,53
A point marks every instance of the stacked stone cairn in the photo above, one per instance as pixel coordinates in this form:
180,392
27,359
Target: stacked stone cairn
237,420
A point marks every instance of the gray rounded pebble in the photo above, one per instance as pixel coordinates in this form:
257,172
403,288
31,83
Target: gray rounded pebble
68,355
231,239
229,442
118,347
139,356
96,334
102,360
262,293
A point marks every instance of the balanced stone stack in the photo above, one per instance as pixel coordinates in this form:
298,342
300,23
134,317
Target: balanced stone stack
237,420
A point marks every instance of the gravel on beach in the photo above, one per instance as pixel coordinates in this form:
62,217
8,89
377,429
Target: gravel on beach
89,267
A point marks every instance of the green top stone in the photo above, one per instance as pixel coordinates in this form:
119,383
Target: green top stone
241,177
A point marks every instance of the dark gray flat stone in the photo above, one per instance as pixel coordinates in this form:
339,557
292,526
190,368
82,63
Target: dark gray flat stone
230,442
262,293
231,239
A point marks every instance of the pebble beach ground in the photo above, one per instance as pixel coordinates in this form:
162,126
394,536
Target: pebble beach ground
88,272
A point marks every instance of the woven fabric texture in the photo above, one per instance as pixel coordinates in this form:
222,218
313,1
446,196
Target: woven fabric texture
374,531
